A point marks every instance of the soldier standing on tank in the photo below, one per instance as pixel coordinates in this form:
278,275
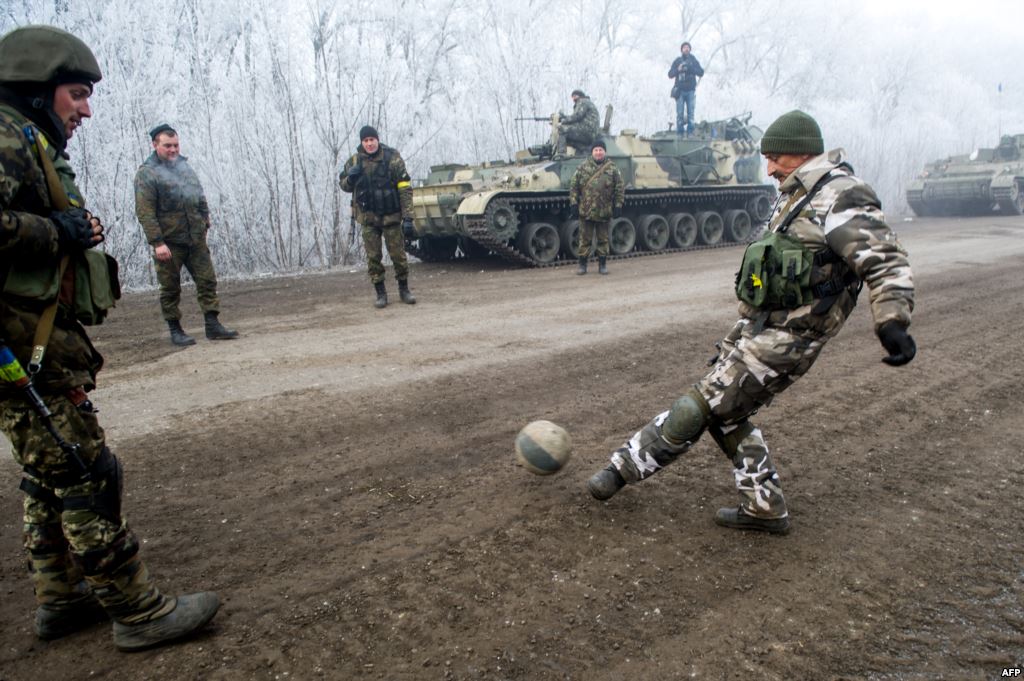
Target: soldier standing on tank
83,559
581,127
827,225
685,70
596,195
382,203
171,207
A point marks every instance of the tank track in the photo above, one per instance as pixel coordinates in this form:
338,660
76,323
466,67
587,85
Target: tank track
476,228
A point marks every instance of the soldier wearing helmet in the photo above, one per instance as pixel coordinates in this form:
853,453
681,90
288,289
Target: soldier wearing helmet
83,559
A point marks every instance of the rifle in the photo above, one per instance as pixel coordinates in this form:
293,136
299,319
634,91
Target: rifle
12,372
352,225
542,119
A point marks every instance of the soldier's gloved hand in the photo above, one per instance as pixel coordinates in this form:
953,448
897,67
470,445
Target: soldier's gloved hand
77,229
408,229
897,342
617,211
354,172
574,211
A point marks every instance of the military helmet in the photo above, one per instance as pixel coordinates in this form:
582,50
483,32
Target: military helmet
45,54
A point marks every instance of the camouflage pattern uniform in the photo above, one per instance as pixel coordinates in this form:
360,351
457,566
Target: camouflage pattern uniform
171,207
378,226
581,127
766,351
598,190
79,546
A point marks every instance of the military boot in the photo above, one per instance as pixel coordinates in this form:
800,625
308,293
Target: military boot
738,519
582,269
605,483
404,293
191,612
57,621
178,335
762,505
215,330
602,267
382,295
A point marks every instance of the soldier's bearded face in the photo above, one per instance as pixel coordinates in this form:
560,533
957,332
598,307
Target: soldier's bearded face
370,145
71,104
167,147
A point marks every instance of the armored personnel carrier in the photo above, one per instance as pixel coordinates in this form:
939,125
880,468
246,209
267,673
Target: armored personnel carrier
682,193
972,184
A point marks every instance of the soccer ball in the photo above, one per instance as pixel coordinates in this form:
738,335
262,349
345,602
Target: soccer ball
543,447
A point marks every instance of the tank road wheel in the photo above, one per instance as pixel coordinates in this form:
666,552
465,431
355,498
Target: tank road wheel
539,242
760,208
502,219
709,227
737,225
652,232
1015,204
621,236
569,235
682,230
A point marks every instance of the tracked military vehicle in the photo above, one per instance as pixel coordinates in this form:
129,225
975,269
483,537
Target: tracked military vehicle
972,184
682,193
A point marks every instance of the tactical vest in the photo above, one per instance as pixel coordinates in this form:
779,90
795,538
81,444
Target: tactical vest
777,269
375,192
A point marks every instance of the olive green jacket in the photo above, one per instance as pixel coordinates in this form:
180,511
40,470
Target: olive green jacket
170,203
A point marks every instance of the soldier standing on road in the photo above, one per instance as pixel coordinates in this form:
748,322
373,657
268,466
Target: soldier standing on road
83,559
828,231
171,207
382,202
581,127
685,70
596,195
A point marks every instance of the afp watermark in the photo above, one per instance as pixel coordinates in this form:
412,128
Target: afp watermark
1012,673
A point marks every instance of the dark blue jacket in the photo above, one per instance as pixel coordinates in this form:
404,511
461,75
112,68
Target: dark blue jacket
686,70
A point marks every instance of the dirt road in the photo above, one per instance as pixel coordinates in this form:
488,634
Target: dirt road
344,478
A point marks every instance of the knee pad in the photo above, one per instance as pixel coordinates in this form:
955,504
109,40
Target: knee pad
687,418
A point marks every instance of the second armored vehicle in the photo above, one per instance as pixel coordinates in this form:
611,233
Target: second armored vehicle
687,192
972,184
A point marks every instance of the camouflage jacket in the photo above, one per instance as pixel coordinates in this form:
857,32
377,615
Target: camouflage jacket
28,237
597,189
169,202
395,181
845,217
584,116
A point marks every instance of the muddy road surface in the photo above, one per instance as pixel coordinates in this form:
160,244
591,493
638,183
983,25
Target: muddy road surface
344,478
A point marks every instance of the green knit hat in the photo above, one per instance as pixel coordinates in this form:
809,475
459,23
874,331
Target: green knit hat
793,133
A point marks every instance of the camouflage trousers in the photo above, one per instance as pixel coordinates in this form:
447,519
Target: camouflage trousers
576,135
394,240
77,542
588,230
197,260
754,365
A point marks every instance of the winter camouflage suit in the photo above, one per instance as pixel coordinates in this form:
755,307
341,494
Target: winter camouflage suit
171,207
79,545
767,350
598,190
580,128
377,225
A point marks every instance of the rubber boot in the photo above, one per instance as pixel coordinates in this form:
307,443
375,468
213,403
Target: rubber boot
602,267
217,331
582,269
382,295
605,483
191,612
178,335
404,293
53,621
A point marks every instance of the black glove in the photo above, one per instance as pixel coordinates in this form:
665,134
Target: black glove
617,211
574,211
354,172
897,342
74,231
408,229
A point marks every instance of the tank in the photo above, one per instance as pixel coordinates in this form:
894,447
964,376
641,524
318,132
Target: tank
682,193
978,183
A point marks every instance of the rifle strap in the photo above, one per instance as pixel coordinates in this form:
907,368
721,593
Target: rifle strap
600,171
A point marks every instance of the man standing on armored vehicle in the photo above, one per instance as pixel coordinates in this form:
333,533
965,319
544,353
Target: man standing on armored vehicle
83,559
580,128
827,237
171,207
596,195
685,70
382,204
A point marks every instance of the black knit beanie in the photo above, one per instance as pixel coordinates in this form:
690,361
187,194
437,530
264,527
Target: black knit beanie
598,143
793,133
368,131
